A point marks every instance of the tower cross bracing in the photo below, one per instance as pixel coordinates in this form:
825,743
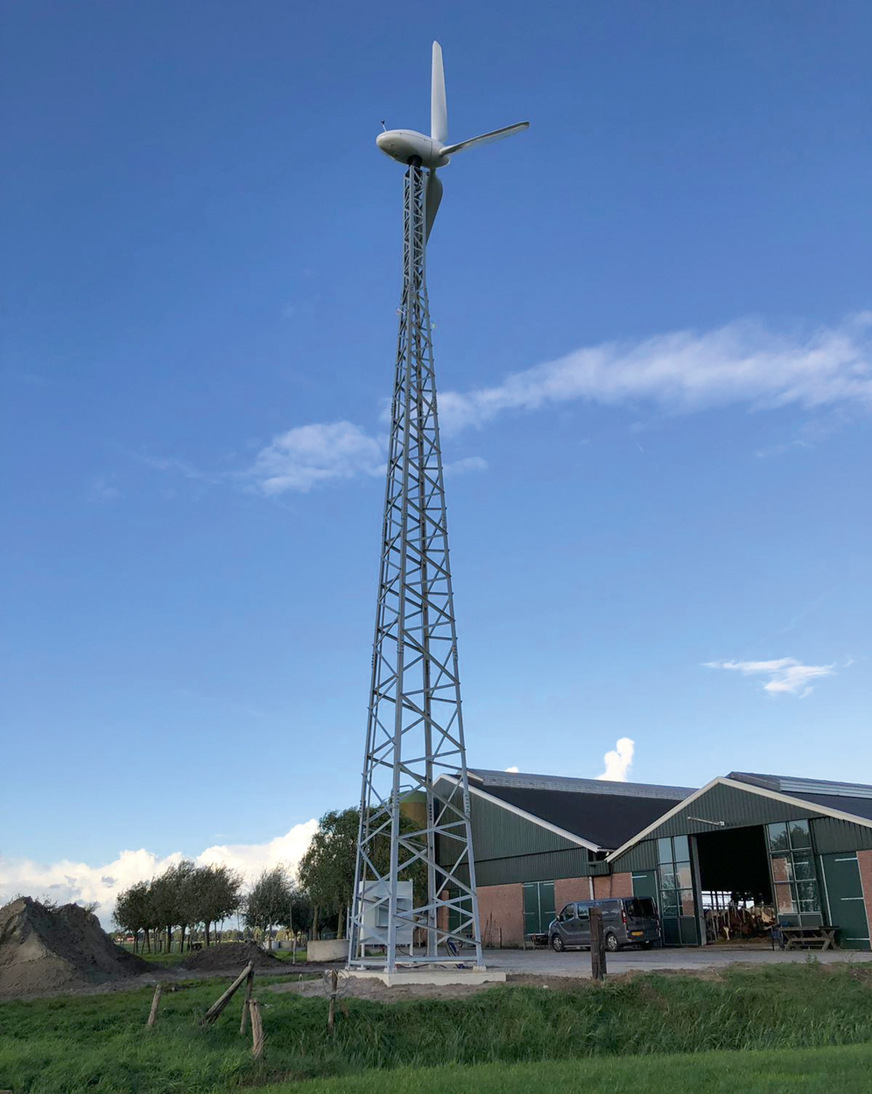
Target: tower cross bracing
415,824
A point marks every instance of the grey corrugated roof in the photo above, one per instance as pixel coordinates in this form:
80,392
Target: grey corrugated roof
604,813
791,784
854,798
481,776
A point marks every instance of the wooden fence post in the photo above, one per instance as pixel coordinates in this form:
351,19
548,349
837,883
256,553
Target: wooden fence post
219,1005
152,1014
246,1002
256,1029
597,945
334,991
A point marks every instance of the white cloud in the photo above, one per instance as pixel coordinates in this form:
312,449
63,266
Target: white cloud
686,371
469,463
512,770
102,489
786,675
681,372
312,454
67,881
618,761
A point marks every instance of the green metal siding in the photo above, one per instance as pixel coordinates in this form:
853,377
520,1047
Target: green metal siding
737,808
499,833
545,867
831,835
641,857
508,849
741,808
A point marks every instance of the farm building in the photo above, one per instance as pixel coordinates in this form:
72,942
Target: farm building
734,859
799,848
542,840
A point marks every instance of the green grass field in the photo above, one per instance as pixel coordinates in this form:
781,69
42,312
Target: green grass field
171,960
98,1043
800,1071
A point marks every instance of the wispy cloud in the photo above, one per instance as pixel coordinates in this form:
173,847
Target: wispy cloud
681,372
618,761
102,489
464,466
787,676
313,454
687,371
66,881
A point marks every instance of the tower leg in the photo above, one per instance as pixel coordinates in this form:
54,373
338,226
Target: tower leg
414,805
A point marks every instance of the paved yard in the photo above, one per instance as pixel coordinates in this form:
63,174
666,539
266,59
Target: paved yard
577,962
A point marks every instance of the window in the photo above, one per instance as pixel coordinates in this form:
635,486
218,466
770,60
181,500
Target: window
676,890
797,899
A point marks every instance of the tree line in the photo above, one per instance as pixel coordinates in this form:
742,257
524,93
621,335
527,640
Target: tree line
189,897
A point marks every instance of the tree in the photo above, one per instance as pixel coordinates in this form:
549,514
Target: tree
326,871
172,899
216,894
133,912
301,911
269,902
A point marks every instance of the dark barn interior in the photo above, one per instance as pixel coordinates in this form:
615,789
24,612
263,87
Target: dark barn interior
735,861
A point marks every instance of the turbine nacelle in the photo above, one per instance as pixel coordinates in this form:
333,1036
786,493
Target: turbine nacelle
407,146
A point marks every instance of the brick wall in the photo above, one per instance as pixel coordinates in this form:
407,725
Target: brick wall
505,903
502,906
864,861
570,888
613,885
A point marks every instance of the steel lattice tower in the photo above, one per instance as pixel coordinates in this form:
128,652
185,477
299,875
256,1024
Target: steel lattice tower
412,823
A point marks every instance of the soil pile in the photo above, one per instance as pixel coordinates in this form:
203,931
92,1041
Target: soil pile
231,956
46,949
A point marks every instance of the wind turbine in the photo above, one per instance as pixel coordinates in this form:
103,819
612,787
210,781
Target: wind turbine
415,871
413,148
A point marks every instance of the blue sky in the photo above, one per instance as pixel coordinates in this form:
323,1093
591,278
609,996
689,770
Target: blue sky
652,334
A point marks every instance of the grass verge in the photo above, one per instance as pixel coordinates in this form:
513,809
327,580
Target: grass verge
99,1043
802,1071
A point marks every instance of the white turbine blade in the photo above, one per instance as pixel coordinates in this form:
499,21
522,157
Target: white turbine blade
432,197
438,104
485,138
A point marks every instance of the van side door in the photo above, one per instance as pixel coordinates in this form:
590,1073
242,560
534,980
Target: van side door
582,919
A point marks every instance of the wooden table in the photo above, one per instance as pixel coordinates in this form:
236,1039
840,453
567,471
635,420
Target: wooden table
791,938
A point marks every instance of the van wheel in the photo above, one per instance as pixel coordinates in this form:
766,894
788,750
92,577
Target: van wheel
612,943
557,944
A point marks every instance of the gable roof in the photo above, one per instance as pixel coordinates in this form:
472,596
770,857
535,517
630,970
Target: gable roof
853,798
843,803
594,812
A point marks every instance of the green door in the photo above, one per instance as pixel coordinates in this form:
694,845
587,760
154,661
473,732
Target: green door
845,898
538,906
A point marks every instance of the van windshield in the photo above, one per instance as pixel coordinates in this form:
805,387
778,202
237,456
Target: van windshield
640,907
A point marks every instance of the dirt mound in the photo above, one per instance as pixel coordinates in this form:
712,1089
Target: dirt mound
45,949
231,955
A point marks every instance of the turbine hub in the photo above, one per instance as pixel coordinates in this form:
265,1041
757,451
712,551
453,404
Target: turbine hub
405,145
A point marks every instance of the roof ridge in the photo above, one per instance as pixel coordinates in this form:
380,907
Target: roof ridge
577,784
797,783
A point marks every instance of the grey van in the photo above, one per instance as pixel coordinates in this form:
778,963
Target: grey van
627,921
